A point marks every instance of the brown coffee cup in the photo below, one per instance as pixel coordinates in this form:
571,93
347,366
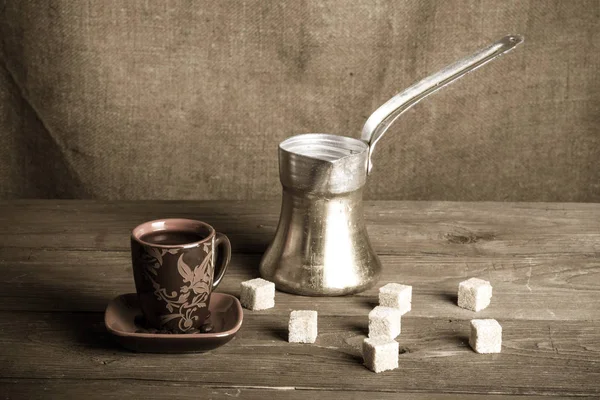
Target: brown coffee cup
177,263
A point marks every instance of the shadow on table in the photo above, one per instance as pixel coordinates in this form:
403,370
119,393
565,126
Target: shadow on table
77,316
370,303
87,329
450,297
357,328
279,334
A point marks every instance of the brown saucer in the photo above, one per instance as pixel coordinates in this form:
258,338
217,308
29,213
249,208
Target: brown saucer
123,312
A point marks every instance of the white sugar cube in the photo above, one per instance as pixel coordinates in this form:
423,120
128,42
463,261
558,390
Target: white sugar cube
384,322
474,294
486,336
257,294
302,326
397,296
380,354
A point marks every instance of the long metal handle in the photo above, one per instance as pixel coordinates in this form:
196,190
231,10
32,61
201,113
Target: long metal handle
384,116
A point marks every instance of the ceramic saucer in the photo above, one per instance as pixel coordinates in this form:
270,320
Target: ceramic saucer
123,312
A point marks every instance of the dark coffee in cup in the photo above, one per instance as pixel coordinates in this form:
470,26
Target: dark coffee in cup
172,237
176,265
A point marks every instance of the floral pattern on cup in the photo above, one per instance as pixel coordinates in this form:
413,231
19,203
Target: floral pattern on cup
197,281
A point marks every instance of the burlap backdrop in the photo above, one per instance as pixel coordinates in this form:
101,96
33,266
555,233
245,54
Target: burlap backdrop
128,99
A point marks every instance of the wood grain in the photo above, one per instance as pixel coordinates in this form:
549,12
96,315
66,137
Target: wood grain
406,228
89,389
539,357
62,261
538,288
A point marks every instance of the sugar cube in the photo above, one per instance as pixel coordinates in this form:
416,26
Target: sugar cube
257,294
474,294
380,354
302,326
397,296
384,322
486,336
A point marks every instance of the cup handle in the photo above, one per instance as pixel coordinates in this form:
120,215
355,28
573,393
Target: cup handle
223,251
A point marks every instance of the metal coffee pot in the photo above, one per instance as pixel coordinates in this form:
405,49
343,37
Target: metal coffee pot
321,247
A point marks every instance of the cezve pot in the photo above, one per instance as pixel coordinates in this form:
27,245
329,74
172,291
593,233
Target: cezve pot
321,246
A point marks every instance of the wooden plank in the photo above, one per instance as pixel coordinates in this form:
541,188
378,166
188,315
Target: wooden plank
404,228
555,288
538,358
541,258
34,389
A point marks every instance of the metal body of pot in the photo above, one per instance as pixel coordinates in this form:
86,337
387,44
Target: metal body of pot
321,247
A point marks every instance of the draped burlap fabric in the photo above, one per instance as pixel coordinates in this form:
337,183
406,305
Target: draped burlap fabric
154,99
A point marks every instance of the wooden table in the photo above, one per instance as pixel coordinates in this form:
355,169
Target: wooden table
62,261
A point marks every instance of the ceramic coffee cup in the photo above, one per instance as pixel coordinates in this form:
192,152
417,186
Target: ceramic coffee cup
177,263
